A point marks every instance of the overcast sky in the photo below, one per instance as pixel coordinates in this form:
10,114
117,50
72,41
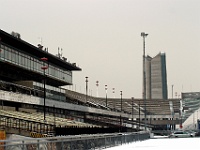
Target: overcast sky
103,38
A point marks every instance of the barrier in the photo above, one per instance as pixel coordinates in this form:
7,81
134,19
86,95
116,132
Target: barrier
80,142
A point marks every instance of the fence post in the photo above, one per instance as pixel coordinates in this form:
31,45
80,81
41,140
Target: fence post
23,145
63,144
86,144
38,144
105,141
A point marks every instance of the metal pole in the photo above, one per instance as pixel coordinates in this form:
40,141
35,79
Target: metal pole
121,112
97,84
0,58
113,92
132,111
193,119
121,100
54,116
106,88
86,80
44,97
172,90
44,68
139,114
144,35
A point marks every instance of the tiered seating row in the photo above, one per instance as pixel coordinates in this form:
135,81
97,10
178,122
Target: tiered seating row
153,106
39,117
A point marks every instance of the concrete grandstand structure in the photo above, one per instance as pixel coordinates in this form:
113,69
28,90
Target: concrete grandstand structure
190,105
32,99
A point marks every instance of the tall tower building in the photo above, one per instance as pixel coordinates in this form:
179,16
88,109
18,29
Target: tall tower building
156,77
148,76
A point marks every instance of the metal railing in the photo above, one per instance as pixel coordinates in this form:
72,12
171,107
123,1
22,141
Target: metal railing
79,142
24,127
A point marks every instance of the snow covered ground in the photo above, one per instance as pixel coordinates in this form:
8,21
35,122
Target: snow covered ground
162,144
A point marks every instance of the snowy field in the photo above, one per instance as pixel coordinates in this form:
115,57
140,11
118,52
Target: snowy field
162,144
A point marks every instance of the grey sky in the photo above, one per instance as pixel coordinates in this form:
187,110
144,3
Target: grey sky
103,38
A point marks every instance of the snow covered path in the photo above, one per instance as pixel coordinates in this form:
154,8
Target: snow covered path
162,144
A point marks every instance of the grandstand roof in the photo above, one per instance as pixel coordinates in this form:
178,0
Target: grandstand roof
33,50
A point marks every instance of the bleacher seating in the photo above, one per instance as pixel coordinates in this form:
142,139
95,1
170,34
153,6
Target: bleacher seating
38,117
153,106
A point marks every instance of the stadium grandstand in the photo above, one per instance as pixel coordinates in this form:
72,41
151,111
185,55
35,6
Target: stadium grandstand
32,99
190,110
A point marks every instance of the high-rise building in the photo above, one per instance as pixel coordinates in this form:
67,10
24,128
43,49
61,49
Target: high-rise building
156,77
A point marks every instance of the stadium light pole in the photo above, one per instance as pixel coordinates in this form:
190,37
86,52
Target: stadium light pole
144,35
106,88
86,88
44,67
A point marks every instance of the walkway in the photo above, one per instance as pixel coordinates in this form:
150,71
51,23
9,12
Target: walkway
162,144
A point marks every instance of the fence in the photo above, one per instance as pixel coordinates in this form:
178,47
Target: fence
79,142
24,127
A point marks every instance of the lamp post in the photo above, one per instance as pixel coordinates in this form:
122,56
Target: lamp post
180,113
113,92
193,119
121,112
132,110
139,114
0,44
144,35
121,100
106,88
172,90
54,116
86,88
0,58
44,67
97,84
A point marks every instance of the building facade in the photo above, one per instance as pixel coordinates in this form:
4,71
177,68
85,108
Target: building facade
22,78
31,66
156,77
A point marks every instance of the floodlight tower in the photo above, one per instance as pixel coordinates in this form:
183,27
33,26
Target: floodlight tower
144,35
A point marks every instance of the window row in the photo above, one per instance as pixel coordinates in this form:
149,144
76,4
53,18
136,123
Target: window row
31,63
